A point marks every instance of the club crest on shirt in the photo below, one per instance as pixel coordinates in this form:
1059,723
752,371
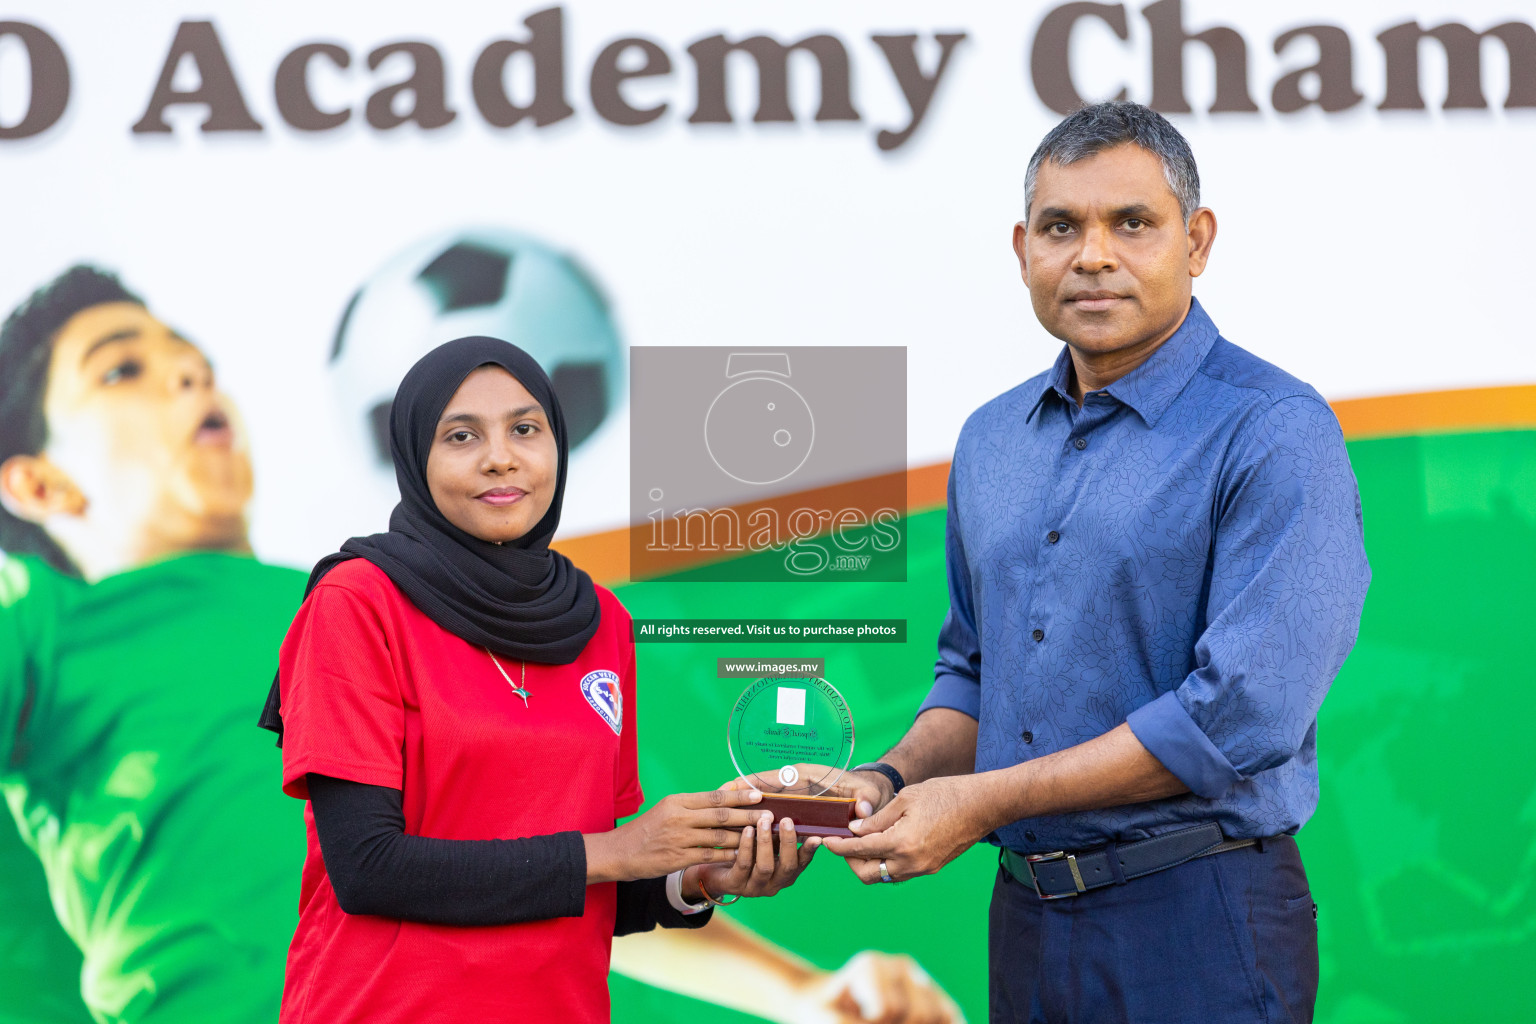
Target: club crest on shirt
601,689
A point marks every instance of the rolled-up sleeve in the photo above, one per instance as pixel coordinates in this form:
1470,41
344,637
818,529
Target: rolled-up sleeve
1288,582
957,673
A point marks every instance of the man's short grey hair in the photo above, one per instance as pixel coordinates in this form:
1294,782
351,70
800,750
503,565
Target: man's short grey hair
1085,132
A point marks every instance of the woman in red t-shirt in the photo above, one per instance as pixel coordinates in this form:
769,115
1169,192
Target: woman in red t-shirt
457,704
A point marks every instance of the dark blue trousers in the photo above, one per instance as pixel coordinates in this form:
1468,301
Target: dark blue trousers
1219,940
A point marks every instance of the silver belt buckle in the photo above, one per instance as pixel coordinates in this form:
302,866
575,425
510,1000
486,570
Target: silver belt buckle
1031,859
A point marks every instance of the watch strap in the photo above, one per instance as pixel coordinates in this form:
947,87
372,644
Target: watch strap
675,896
897,782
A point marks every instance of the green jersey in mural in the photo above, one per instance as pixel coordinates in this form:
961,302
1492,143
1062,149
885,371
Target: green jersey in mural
136,776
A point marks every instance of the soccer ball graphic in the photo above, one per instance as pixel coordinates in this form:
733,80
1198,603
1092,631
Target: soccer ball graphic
489,281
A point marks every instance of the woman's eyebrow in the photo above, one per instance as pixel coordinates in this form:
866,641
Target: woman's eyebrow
126,334
475,419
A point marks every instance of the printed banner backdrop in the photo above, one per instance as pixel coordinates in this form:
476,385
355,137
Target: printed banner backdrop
316,194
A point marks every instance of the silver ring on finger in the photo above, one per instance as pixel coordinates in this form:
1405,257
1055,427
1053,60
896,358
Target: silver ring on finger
885,876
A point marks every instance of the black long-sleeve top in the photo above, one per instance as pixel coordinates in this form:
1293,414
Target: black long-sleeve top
376,868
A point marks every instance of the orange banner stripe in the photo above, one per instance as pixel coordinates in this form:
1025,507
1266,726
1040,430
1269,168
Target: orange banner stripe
1436,412
606,555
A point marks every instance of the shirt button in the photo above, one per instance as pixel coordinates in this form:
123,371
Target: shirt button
1038,634
1029,835
1053,536
1027,736
1080,443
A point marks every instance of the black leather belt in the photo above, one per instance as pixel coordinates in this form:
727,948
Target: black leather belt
1060,874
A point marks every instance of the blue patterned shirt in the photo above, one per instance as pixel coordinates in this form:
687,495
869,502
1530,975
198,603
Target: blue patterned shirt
1183,553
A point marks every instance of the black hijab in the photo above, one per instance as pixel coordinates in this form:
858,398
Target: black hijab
519,599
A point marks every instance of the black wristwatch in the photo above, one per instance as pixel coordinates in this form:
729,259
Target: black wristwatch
897,782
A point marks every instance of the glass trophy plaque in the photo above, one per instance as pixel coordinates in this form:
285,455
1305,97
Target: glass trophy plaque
793,740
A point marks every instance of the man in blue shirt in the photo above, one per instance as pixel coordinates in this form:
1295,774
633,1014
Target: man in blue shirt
1156,570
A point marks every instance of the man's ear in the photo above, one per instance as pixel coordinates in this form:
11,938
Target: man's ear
1202,235
34,489
1020,237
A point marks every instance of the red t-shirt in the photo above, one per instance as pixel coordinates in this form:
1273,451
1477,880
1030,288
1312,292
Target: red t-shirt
376,692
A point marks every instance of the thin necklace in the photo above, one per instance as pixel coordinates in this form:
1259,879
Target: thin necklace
521,689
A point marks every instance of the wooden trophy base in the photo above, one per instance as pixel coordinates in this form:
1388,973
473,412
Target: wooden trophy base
812,815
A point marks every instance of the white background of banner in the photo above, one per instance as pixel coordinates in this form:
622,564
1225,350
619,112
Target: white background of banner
1367,253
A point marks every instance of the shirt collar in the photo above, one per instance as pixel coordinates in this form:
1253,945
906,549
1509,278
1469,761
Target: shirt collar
1150,388
1058,380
